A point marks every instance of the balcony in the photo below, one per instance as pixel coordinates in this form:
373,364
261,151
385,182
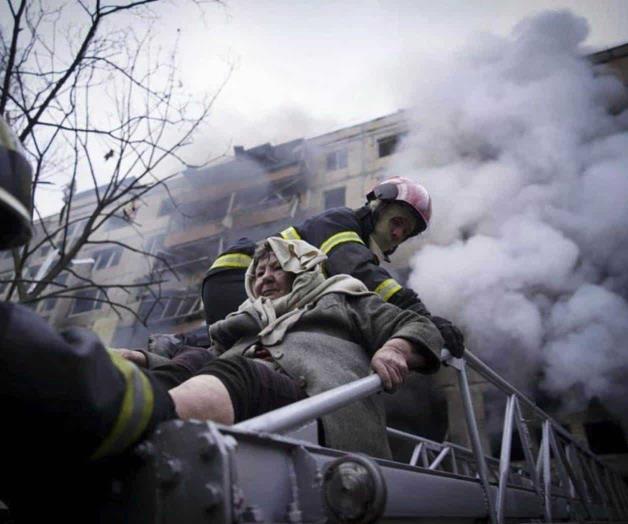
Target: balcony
191,258
194,234
244,218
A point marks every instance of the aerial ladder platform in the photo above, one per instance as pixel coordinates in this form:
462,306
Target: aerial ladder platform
271,469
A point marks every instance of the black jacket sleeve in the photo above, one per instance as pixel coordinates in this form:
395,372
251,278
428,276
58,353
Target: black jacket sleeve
91,404
339,234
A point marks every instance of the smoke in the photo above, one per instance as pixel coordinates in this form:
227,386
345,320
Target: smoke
524,149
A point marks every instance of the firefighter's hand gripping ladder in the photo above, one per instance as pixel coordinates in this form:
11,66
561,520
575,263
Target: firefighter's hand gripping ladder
250,472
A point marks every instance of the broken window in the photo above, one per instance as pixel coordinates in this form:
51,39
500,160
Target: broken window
606,437
387,146
87,300
199,213
336,160
174,305
266,196
191,258
106,258
334,197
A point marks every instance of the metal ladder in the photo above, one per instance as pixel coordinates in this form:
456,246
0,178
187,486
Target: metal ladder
559,469
258,471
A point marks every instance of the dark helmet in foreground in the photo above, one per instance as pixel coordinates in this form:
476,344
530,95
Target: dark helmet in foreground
15,190
405,191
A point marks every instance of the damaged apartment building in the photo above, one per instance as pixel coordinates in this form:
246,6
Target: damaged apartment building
257,192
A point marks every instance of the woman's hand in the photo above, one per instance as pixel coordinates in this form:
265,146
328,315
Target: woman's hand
137,357
390,362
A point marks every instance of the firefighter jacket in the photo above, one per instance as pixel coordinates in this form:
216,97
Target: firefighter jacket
66,401
342,234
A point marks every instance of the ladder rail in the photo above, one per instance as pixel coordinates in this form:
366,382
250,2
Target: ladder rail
553,475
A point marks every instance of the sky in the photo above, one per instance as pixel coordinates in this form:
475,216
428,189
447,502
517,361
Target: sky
296,68
302,68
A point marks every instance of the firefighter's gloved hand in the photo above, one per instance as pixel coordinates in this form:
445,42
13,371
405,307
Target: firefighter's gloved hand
454,339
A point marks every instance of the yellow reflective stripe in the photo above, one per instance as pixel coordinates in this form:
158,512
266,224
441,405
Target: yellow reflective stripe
290,234
340,238
232,260
135,412
387,289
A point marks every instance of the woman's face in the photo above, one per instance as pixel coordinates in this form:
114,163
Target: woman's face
270,280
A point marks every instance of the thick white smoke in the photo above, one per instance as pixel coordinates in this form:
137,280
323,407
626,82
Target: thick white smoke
525,151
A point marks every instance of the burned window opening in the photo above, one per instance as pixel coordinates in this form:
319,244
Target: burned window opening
191,258
388,145
276,194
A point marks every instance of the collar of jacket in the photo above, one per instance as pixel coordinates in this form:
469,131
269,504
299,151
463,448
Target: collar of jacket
367,218
367,222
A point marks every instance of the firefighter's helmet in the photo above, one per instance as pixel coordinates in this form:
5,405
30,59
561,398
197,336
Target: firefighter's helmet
405,191
15,190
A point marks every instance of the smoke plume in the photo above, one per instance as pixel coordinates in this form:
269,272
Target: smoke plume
524,148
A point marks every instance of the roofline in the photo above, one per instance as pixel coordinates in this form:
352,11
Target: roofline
606,55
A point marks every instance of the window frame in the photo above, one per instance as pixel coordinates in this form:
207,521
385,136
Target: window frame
388,141
112,259
96,305
331,194
337,160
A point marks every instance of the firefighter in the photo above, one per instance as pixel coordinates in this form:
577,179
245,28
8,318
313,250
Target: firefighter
396,209
65,401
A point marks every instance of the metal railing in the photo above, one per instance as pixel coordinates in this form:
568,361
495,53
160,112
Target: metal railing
295,415
562,467
557,468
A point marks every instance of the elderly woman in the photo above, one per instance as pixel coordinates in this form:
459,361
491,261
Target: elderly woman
299,334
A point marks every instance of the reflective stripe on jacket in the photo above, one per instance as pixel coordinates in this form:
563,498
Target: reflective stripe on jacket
343,235
91,405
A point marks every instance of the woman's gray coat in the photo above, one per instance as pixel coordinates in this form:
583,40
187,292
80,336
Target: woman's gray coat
332,344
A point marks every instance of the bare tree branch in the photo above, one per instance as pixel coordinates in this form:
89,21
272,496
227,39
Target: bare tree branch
78,92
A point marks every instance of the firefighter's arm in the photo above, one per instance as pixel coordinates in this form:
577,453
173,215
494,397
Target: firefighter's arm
142,404
356,259
92,403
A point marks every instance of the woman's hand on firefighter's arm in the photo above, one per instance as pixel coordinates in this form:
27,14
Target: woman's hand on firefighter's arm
137,357
394,360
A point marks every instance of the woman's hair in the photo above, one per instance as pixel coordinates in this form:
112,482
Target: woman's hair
262,250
